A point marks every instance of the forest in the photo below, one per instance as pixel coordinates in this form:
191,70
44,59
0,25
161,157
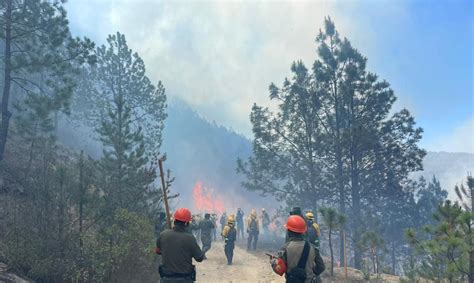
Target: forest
329,140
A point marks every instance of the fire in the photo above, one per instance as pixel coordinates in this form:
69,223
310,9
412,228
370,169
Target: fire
205,201
272,227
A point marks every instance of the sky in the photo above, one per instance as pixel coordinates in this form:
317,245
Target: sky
220,57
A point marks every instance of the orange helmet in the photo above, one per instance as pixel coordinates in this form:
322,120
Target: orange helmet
183,215
296,224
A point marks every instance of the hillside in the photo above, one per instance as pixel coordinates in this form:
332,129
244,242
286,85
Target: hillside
198,149
202,156
450,168
201,152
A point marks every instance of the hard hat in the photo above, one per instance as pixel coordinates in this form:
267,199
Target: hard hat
296,224
183,215
309,215
263,209
254,212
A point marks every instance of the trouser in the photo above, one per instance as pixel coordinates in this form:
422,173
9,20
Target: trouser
240,230
253,238
206,243
197,234
214,234
229,252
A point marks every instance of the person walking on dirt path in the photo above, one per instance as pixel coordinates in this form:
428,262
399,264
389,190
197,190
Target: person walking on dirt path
214,230
314,232
298,260
178,248
229,234
253,230
223,220
296,210
240,224
206,227
265,221
194,226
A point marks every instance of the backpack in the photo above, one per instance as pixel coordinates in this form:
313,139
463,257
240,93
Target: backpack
253,225
298,273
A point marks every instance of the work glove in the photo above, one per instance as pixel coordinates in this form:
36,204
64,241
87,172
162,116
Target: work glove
273,261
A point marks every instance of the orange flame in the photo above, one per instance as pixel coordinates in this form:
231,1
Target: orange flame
204,201
272,227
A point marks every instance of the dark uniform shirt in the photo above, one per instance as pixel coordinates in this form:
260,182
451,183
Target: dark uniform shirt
206,227
178,248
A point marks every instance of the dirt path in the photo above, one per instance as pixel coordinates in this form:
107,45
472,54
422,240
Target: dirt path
247,267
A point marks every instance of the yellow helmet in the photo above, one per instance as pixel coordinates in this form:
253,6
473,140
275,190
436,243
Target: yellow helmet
254,212
309,215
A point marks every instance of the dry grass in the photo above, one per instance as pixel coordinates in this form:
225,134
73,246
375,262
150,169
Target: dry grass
354,275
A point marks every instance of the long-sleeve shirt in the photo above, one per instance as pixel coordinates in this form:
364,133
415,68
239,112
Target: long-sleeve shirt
178,248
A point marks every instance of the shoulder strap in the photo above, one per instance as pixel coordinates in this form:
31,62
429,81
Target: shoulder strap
304,256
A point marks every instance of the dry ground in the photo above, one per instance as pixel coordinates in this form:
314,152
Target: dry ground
255,267
247,267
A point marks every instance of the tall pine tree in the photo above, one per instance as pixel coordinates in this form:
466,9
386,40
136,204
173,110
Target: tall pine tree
39,61
332,139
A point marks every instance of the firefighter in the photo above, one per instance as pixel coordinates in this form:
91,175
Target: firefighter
214,230
298,260
223,220
178,248
265,221
296,210
194,226
314,232
206,227
253,230
229,234
240,223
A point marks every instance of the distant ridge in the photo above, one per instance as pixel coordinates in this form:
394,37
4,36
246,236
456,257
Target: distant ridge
200,150
197,147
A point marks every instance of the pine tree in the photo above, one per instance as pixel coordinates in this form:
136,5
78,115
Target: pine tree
286,144
333,220
372,243
124,164
466,196
446,247
332,139
121,73
39,61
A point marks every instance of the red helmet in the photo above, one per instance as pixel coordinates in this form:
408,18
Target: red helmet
183,215
296,224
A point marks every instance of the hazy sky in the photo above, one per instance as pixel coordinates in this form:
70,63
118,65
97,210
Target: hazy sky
220,57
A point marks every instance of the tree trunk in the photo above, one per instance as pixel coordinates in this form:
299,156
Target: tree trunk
356,215
7,79
393,257
374,260
340,169
81,202
342,203
332,255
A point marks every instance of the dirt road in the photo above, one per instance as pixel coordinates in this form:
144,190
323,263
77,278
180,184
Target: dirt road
247,267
